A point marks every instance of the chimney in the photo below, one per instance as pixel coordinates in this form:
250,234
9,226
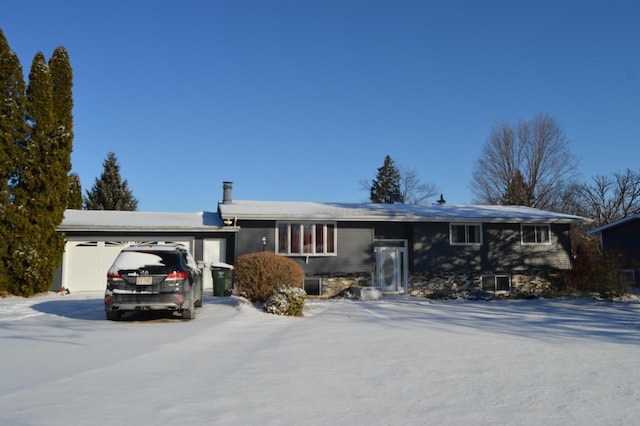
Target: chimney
226,192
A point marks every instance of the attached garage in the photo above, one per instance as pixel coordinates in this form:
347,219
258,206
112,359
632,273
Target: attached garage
94,239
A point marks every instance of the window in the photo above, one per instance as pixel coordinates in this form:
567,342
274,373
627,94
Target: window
312,285
496,283
536,234
465,234
629,276
312,239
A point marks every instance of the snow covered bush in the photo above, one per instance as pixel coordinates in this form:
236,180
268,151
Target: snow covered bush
286,300
257,275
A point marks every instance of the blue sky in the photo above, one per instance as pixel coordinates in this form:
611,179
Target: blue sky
302,100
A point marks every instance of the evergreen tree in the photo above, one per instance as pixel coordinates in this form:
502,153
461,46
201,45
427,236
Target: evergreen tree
110,192
37,248
62,83
35,159
13,130
517,192
386,186
74,200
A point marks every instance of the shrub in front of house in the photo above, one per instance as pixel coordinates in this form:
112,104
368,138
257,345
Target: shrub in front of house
286,300
258,275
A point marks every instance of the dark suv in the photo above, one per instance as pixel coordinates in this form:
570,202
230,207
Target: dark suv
153,277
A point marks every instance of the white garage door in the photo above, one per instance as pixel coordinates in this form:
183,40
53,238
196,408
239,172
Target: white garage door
85,263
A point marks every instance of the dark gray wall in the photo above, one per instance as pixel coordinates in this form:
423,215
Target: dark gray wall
501,250
623,239
432,251
393,230
354,247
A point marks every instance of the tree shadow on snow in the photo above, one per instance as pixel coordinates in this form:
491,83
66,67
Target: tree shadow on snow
551,320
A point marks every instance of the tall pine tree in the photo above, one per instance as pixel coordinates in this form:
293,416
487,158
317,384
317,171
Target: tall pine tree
75,192
62,102
35,159
37,247
386,186
13,129
110,192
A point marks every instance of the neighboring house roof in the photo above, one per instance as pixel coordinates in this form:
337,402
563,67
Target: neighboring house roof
614,224
114,220
285,210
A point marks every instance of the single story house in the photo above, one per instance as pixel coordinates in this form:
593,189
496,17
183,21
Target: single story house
396,248
621,238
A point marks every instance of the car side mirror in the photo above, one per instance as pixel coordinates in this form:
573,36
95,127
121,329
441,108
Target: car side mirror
200,264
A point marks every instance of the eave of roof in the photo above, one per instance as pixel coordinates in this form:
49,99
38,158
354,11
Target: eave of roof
614,224
284,210
125,221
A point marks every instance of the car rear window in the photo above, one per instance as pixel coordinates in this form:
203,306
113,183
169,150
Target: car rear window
154,262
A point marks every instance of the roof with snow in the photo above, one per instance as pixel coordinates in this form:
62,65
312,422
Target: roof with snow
91,220
614,224
285,210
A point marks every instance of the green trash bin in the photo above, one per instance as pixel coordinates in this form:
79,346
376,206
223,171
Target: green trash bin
222,279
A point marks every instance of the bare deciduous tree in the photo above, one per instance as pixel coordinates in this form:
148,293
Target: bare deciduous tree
525,164
413,190
607,198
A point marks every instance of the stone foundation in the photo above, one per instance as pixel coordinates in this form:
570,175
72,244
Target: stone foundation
448,285
335,285
443,285
469,285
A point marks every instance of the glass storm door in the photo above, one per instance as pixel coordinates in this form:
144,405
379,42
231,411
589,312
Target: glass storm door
388,272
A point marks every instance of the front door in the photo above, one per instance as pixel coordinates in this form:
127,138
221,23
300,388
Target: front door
391,274
388,269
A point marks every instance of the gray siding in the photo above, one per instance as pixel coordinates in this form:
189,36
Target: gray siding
623,239
354,247
501,250
432,251
249,238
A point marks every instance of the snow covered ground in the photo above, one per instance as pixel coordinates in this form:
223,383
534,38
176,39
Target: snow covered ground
396,361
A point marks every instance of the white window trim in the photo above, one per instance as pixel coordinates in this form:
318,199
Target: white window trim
466,231
526,243
313,243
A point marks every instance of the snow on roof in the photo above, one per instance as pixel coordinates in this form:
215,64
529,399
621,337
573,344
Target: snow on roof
614,224
125,220
284,210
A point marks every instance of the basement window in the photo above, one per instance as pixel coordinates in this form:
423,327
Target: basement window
496,283
312,286
306,238
629,276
